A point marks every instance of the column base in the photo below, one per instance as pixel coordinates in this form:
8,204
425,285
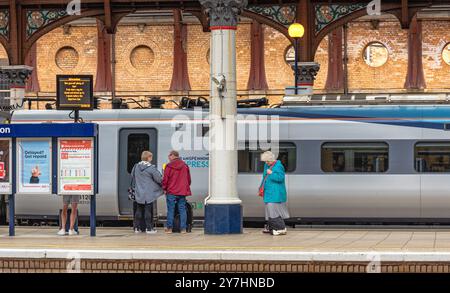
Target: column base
223,219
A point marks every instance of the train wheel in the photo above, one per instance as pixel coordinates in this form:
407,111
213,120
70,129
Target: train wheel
2,210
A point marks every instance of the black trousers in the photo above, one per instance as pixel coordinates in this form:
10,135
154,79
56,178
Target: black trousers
144,212
276,224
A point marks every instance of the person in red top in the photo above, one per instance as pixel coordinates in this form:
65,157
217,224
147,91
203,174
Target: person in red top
176,185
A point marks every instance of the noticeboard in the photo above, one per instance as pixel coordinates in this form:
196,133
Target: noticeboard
75,166
74,92
5,166
34,166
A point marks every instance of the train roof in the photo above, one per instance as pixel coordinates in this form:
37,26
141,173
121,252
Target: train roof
313,112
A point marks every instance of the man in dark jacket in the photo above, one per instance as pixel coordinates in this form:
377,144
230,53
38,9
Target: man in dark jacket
176,184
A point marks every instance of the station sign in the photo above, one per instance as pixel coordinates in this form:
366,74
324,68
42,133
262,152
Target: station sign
75,166
5,166
74,92
34,165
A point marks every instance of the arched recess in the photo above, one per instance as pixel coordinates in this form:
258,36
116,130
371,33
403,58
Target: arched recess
245,13
98,13
5,43
395,9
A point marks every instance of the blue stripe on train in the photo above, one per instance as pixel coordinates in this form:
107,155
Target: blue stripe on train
414,116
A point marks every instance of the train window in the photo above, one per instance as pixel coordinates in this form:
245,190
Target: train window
364,157
137,143
432,157
249,161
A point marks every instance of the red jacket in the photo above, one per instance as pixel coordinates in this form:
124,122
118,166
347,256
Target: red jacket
177,178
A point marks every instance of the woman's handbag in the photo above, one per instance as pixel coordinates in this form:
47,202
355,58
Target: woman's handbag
261,187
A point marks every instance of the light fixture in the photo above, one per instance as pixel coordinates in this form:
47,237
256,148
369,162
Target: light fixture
296,31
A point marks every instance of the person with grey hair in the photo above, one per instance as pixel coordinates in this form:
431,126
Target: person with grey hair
147,181
273,191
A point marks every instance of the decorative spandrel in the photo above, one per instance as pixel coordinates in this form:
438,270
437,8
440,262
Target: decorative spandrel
328,13
284,14
4,23
37,19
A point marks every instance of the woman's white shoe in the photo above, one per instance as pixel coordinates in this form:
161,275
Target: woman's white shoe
61,232
279,232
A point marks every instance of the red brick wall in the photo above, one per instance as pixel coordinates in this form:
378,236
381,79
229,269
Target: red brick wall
155,75
391,75
435,35
82,39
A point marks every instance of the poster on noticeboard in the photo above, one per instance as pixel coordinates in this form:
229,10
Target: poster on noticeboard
34,165
75,166
5,165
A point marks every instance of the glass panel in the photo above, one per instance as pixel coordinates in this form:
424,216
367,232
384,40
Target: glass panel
432,157
355,157
137,143
249,161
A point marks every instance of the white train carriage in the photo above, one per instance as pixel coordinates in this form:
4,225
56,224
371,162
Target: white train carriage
343,163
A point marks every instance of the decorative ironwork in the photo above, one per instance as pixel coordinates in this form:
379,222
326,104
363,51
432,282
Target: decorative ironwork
37,19
307,72
284,14
328,13
15,75
4,23
223,12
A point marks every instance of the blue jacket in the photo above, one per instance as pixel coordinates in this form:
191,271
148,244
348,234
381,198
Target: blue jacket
275,186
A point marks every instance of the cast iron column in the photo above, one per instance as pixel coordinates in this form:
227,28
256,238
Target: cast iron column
223,210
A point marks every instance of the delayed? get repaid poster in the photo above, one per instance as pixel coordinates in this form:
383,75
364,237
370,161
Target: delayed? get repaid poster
34,166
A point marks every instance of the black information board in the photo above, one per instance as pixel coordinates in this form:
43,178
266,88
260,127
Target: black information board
74,92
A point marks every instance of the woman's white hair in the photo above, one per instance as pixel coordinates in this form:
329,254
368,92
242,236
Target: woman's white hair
268,157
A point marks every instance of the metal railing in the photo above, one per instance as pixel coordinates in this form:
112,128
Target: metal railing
368,99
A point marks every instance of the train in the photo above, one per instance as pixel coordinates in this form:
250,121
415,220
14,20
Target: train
344,163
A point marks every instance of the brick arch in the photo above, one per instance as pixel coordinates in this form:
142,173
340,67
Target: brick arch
4,42
394,9
98,13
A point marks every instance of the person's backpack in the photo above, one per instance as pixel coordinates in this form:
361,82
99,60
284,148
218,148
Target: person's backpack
189,218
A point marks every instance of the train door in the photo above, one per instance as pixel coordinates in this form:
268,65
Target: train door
433,163
132,142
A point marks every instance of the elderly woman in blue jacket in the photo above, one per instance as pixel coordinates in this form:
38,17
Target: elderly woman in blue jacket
275,195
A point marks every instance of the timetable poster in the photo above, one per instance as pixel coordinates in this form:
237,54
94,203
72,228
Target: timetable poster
34,165
5,183
75,166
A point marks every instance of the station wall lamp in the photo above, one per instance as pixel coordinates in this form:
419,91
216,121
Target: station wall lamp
296,31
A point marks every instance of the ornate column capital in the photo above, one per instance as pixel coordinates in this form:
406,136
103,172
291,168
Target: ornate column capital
307,72
16,75
223,12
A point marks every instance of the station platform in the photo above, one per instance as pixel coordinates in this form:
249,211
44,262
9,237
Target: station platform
39,249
